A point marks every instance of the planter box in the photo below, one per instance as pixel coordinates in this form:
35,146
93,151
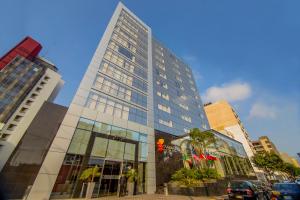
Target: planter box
209,188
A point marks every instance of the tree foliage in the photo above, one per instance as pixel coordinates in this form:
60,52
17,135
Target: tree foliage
291,170
269,162
201,140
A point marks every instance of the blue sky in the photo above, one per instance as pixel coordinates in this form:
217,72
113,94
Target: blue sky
247,52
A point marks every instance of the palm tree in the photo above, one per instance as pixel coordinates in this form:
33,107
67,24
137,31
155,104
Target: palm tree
201,140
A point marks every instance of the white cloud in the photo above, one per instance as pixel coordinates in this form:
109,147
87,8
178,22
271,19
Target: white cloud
262,110
231,92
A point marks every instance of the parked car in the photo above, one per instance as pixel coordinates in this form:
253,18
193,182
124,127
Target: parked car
297,180
265,187
288,191
245,190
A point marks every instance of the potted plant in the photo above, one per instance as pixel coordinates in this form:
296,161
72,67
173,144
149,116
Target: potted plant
131,176
88,176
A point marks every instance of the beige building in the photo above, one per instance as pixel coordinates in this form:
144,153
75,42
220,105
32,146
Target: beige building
264,144
287,158
223,118
295,162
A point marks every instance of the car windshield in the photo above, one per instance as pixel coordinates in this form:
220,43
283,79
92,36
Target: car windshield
239,184
287,187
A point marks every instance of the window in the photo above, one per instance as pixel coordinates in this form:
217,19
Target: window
161,83
178,78
85,124
143,151
121,110
99,147
79,142
166,123
161,66
132,135
102,128
186,118
11,127
162,75
116,89
115,149
38,89
28,103
185,107
116,131
18,118
165,85
129,153
23,110
164,108
163,95
126,53
33,96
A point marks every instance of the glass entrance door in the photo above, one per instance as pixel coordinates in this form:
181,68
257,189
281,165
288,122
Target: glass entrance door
110,178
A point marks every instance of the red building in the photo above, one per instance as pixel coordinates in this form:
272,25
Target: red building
27,48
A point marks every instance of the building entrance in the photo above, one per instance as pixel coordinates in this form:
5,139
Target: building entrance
109,183
115,154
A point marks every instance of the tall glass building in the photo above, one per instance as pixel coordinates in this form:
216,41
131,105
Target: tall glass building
26,82
133,87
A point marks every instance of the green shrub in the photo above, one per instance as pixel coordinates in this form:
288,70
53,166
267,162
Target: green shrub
194,176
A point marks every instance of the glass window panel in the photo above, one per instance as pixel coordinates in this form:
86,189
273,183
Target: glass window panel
120,132
109,109
99,147
129,151
101,107
143,150
118,112
125,115
79,142
132,135
102,128
143,137
115,149
85,124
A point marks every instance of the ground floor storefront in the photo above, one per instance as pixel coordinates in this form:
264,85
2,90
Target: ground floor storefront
227,156
114,151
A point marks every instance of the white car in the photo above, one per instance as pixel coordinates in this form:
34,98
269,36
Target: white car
297,180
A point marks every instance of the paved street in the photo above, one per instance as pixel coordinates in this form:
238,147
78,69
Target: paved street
161,197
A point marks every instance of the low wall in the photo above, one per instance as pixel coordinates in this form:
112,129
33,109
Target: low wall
207,189
213,188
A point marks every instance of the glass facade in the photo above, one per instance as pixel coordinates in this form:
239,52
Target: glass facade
134,86
231,157
177,104
113,149
16,79
121,86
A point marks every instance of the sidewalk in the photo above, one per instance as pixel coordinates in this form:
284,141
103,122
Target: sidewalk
159,197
